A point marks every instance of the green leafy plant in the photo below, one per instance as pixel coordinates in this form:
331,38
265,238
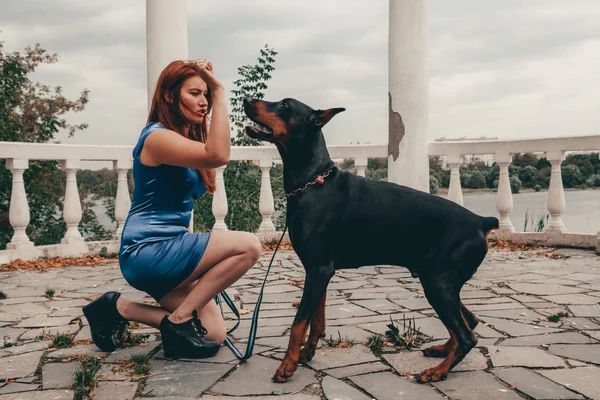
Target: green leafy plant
140,364
62,340
50,292
410,336
84,377
2,295
339,342
558,316
375,343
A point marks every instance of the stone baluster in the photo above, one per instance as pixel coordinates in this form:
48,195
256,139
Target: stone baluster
72,244
266,205
122,200
18,214
455,190
219,205
556,194
504,199
361,165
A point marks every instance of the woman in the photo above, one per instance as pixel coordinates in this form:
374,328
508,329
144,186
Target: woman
182,271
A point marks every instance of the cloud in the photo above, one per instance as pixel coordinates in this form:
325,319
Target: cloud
512,68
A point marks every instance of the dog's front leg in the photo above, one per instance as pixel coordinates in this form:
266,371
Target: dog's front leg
317,331
315,286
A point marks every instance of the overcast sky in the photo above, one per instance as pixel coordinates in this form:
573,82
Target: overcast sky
507,69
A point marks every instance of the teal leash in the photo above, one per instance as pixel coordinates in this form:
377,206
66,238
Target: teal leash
232,307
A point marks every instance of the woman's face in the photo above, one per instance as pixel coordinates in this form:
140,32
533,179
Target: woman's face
193,101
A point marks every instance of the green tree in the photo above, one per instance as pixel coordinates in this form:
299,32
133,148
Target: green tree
34,113
571,176
243,178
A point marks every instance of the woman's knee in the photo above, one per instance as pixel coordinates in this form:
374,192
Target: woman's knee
252,248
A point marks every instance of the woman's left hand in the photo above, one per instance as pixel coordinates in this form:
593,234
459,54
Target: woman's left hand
206,73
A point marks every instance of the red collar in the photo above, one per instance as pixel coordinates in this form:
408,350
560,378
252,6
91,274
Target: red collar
319,179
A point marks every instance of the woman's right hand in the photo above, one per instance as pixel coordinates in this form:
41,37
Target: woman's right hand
205,69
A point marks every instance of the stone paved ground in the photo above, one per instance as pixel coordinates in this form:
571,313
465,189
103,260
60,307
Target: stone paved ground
521,354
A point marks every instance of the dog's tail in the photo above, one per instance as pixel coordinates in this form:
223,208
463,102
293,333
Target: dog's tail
489,224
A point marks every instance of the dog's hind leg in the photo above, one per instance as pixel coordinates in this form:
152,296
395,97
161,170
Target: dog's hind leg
442,350
315,286
317,331
445,300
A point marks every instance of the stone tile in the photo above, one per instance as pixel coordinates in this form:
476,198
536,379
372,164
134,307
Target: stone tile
113,372
586,311
516,328
583,380
19,366
523,357
572,299
74,312
8,334
378,305
120,355
541,289
582,352
538,340
298,396
254,378
360,369
579,323
84,334
335,389
23,348
16,387
114,390
526,315
58,375
21,300
414,362
461,386
78,350
485,331
387,386
31,334
350,332
500,306
38,322
414,304
187,379
534,385
40,395
346,311
372,318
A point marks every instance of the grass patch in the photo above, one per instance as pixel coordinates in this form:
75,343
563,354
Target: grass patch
2,295
50,292
410,337
6,345
140,363
339,343
557,317
62,340
84,377
375,343
134,340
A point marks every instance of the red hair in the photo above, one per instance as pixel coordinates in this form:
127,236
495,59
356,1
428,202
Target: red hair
165,109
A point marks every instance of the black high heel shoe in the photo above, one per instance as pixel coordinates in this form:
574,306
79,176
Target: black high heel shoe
187,340
106,324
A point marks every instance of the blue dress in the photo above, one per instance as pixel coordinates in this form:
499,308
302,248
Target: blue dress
157,251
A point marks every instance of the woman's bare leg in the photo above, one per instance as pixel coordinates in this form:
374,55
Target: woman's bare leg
231,261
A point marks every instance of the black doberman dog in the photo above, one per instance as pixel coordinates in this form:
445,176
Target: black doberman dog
338,220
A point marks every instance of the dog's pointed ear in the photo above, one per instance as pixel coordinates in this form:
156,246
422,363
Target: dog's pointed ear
320,117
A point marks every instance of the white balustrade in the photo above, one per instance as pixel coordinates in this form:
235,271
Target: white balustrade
361,165
266,205
18,214
556,193
19,154
122,200
219,205
504,199
455,190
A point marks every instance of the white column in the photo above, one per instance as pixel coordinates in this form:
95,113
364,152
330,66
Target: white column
166,37
219,205
361,165
18,214
408,162
504,200
266,206
556,194
122,201
455,189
